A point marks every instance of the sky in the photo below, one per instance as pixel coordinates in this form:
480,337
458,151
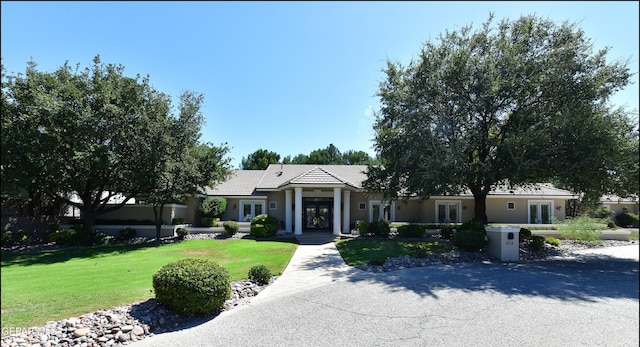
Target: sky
289,77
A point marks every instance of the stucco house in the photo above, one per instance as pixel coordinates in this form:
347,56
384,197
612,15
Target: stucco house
330,197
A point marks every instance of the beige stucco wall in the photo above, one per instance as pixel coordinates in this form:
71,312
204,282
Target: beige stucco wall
619,207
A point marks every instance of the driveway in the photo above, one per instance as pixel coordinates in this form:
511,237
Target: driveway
590,299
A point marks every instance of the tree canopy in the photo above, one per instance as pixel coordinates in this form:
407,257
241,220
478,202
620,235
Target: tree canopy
331,155
260,160
517,103
95,133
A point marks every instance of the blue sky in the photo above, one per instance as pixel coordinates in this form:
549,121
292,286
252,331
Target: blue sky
289,77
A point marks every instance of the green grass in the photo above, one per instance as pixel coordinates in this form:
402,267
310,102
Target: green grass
52,285
634,235
361,251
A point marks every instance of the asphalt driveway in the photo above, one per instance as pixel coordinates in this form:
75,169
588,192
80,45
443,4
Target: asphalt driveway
590,299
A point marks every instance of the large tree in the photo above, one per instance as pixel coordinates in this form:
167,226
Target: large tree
516,103
260,160
93,132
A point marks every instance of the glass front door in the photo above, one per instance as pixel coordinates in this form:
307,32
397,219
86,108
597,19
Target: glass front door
540,212
317,216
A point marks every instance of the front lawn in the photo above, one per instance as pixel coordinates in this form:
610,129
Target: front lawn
52,285
360,250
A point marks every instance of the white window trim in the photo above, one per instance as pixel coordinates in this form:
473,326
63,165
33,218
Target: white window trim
449,202
536,202
253,204
392,210
514,205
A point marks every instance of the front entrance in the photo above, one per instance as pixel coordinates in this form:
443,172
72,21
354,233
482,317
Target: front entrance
317,215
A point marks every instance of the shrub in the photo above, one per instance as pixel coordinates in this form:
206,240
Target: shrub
7,236
411,230
259,274
177,221
127,233
611,224
524,234
553,241
182,232
209,221
264,225
378,260
536,242
213,206
231,227
471,236
446,233
190,285
626,219
65,237
22,237
583,229
363,228
381,228
53,227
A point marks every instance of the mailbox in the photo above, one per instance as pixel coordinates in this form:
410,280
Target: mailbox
503,243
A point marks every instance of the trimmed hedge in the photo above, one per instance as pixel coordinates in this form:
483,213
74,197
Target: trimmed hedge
259,274
471,236
411,230
192,286
231,227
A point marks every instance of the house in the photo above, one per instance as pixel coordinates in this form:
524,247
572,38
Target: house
618,205
330,197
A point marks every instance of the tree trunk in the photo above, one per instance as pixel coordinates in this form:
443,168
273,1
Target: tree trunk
480,208
158,219
88,217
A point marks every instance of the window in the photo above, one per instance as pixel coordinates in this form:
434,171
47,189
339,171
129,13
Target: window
362,206
448,212
382,211
273,205
540,212
511,205
250,209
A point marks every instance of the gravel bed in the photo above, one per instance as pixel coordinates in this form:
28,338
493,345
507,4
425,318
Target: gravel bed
123,325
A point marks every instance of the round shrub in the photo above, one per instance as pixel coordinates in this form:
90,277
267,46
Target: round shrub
363,228
536,242
411,230
471,236
22,237
627,219
7,236
182,232
259,274
264,225
524,234
127,233
65,237
192,286
209,221
231,227
381,228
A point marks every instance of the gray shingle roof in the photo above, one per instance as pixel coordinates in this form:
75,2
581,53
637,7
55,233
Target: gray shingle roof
241,183
277,175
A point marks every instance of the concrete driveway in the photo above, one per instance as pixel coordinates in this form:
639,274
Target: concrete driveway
590,299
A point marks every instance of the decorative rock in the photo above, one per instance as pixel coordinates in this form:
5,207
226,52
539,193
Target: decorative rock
124,337
126,328
137,330
82,332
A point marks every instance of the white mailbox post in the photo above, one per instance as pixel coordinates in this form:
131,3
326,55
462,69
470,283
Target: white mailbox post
504,242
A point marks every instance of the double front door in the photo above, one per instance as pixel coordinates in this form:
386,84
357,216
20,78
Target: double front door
317,215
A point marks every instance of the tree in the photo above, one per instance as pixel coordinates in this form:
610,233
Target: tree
260,160
352,157
519,103
92,132
182,164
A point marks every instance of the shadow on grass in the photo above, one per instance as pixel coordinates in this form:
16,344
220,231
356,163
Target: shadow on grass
65,254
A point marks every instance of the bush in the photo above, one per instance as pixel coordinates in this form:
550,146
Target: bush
192,286
209,221
536,242
381,228
7,236
231,227
127,233
524,234
583,229
213,206
259,274
411,230
177,221
22,237
264,225
53,227
446,233
182,232
65,237
611,224
363,228
553,241
626,219
471,236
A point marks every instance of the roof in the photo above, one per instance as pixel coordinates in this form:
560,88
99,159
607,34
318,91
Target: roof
241,183
546,190
277,176
614,199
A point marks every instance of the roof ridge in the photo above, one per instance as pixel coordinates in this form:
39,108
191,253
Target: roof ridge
335,176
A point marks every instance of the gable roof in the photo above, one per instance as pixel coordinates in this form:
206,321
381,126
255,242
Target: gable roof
277,176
